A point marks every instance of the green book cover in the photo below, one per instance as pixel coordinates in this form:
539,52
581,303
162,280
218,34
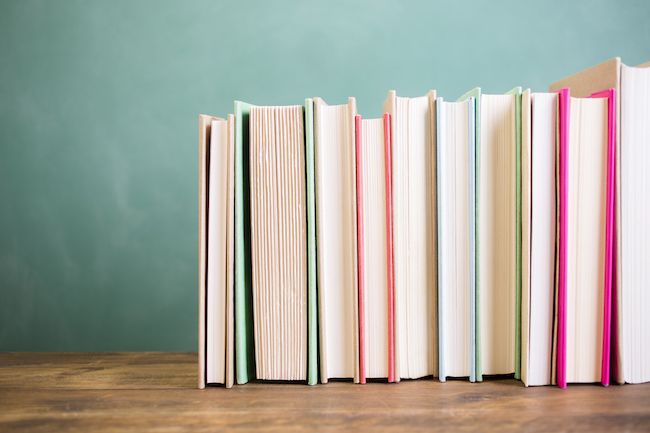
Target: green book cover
312,307
517,92
476,94
244,340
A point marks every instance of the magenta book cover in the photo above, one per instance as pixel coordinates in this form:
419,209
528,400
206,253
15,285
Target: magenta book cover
609,231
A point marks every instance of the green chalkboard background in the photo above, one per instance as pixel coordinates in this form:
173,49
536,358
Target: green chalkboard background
99,106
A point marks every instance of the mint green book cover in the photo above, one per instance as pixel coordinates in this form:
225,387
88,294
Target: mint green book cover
244,339
517,92
312,306
476,94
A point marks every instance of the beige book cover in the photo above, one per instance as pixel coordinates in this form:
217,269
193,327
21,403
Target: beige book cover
205,123
230,263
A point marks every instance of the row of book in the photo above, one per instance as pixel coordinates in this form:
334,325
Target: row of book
497,234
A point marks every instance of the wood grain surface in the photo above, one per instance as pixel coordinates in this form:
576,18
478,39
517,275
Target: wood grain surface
44,392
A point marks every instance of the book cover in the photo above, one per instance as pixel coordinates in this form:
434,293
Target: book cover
334,155
205,124
360,251
442,367
230,285
472,235
443,310
562,311
517,92
610,229
526,156
603,76
476,94
389,239
414,198
363,208
312,301
244,341
564,101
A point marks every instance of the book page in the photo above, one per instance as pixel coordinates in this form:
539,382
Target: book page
634,272
497,243
454,237
587,187
217,252
542,237
337,249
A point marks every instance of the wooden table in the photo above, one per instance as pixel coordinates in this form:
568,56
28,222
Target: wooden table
157,391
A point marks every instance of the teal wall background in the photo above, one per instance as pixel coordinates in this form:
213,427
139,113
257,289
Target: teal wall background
99,105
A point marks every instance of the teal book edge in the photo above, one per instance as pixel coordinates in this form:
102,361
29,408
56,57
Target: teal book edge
476,94
442,374
244,345
312,306
517,92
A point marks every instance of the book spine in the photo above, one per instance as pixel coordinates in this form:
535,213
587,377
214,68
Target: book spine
360,252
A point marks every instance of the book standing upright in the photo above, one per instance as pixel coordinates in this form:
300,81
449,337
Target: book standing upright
336,214
374,233
586,241
631,324
216,255
498,240
456,153
414,234
244,343
539,233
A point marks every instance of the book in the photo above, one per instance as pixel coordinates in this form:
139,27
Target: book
587,161
631,326
279,241
220,260
496,234
633,301
336,236
517,92
244,344
414,234
216,255
476,95
312,295
498,138
205,125
538,215
374,234
456,193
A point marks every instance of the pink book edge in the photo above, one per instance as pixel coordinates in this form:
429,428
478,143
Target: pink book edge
614,353
564,109
362,319
610,94
389,249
